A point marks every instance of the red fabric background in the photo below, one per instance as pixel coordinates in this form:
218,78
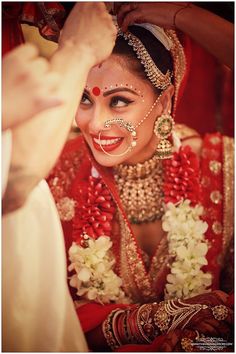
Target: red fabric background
207,104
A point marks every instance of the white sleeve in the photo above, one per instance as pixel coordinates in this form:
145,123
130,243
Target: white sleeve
38,311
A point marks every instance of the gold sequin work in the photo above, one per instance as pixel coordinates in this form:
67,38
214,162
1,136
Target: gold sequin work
215,140
66,208
216,197
215,167
179,59
205,181
211,154
136,281
64,172
217,227
183,131
158,266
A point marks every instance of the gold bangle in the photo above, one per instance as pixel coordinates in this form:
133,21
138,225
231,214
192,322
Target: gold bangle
145,323
107,329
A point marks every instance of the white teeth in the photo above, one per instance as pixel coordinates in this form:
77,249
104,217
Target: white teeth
107,141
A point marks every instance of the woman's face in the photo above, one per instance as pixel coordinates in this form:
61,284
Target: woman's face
112,91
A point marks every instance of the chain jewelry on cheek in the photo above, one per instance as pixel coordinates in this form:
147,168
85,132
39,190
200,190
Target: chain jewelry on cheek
149,112
129,127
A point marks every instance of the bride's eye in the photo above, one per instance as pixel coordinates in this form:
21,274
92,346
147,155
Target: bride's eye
118,101
85,99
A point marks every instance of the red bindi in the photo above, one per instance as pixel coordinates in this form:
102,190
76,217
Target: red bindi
96,91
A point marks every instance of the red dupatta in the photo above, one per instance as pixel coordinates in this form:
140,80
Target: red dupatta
74,168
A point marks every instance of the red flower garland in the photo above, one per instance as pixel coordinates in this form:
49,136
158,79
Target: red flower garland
181,177
94,211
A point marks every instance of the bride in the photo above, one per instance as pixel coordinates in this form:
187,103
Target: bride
146,206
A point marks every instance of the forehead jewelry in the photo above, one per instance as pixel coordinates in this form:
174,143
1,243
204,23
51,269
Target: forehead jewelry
96,91
157,78
129,127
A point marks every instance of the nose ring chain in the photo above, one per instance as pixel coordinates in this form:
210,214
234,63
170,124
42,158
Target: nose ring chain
127,126
123,124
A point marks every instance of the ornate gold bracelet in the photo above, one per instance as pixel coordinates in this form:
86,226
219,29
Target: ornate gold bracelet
171,314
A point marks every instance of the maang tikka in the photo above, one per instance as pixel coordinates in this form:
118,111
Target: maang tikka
163,129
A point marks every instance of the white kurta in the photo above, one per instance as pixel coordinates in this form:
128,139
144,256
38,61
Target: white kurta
38,312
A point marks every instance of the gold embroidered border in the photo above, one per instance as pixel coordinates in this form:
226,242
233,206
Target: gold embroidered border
183,131
159,261
135,281
178,56
133,267
228,174
128,282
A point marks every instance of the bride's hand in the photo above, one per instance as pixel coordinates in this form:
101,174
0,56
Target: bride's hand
158,13
206,321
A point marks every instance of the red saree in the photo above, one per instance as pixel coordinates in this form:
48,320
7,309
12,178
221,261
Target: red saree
71,175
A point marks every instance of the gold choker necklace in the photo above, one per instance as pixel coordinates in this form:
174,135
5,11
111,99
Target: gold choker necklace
140,188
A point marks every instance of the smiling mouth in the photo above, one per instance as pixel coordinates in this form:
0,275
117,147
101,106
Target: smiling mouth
106,143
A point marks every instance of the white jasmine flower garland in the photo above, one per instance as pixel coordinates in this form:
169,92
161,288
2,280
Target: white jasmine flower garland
185,234
94,277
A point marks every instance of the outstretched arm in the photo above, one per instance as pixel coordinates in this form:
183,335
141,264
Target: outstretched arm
38,142
212,32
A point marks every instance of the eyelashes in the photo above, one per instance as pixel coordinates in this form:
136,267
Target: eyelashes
85,98
120,101
115,101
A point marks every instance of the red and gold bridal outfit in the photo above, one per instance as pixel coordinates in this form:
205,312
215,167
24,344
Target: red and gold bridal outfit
69,183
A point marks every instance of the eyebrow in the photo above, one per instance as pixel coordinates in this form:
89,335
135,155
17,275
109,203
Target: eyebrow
110,92
119,89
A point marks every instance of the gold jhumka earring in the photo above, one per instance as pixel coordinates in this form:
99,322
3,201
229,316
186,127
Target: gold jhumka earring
163,129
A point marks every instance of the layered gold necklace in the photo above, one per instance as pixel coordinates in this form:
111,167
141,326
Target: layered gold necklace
140,189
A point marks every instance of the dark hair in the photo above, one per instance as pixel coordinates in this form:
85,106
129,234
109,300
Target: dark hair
159,54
